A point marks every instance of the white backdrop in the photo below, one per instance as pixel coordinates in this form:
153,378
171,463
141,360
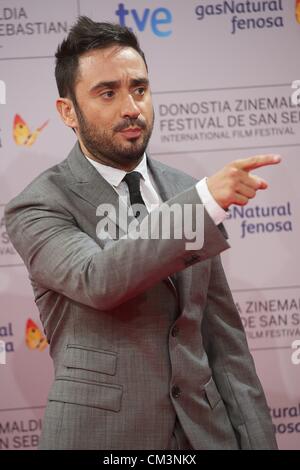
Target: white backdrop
221,75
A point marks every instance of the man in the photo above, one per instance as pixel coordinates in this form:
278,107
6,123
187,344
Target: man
148,348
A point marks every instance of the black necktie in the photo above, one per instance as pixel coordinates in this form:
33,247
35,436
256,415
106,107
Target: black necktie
133,182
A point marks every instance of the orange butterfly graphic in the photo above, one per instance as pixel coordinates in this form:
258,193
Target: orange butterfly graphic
22,134
298,10
34,338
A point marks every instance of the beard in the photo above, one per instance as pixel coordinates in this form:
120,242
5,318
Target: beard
104,148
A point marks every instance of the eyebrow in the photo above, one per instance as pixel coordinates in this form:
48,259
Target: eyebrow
113,84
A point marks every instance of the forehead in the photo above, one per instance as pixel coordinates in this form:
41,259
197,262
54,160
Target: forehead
111,63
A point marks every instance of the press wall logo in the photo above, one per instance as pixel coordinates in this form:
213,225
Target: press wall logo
250,15
6,341
19,433
270,316
34,338
16,21
22,134
157,20
286,419
263,219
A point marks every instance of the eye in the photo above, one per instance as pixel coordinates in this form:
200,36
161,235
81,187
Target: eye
108,94
140,91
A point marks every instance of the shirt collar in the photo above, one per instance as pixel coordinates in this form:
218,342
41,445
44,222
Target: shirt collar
114,176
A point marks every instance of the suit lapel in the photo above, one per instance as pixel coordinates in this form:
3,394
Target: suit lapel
168,187
92,187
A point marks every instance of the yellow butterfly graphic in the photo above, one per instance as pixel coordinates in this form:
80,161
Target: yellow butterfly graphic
34,338
298,10
22,134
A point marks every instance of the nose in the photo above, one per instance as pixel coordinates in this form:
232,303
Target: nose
130,108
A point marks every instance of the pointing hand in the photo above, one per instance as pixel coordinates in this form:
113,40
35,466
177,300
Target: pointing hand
235,185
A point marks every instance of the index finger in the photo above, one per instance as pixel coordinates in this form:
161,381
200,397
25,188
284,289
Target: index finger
251,163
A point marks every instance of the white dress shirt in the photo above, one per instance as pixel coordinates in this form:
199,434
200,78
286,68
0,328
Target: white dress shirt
114,177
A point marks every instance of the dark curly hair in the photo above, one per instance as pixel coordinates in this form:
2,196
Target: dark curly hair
86,35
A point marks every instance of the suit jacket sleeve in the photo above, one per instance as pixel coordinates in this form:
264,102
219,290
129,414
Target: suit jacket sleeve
61,257
233,367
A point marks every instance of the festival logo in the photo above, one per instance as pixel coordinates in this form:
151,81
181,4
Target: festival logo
6,341
245,15
261,220
22,134
34,337
286,419
29,30
271,318
158,20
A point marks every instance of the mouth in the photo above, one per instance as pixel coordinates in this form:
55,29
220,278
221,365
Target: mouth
131,132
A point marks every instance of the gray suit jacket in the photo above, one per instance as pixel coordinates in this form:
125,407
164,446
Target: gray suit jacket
131,352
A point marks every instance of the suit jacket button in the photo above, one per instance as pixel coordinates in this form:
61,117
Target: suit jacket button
175,330
176,392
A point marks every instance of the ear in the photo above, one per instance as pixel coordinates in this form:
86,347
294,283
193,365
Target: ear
67,112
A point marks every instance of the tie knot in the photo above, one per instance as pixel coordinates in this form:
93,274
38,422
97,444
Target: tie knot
133,181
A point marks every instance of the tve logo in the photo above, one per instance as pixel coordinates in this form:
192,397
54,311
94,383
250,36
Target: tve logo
159,20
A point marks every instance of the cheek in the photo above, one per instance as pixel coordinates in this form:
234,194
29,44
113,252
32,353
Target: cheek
102,119
147,110
96,110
